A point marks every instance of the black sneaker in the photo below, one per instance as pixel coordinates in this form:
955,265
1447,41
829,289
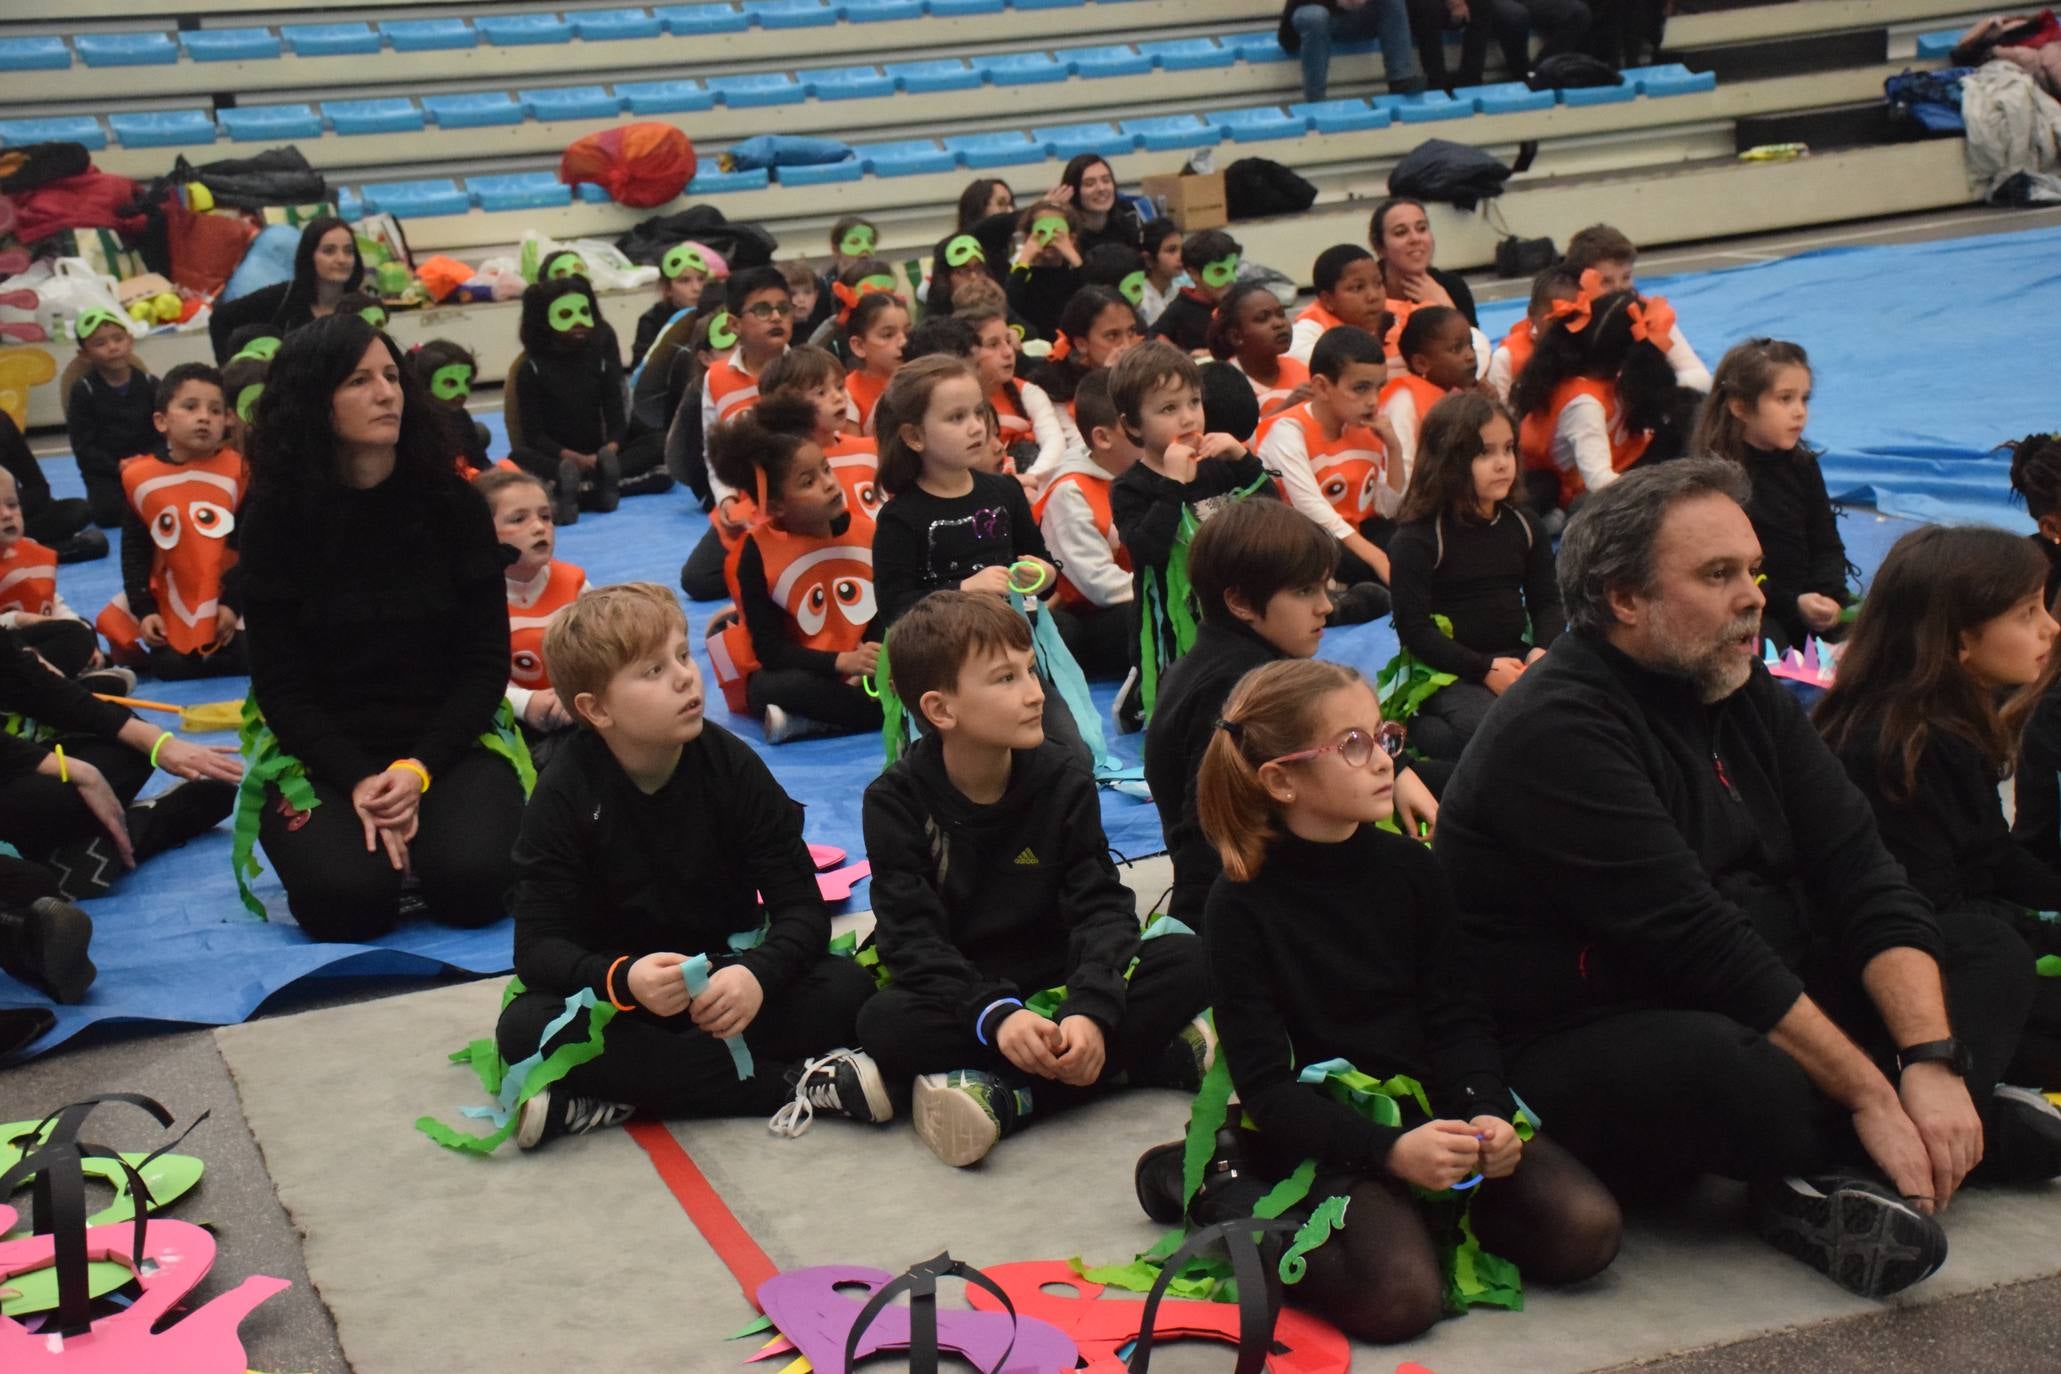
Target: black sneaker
565,501
960,1115
1358,604
1854,1231
112,681
845,1082
183,811
45,943
2024,1143
551,1114
649,483
1157,1178
1187,1057
604,486
83,547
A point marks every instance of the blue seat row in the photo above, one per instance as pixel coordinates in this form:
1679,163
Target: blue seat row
515,191
1938,44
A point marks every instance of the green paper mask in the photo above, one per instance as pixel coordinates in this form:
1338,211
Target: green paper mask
1045,228
92,319
374,315
247,401
263,348
1221,273
1133,287
963,250
880,282
451,382
1018,331
722,331
858,241
565,265
570,312
680,258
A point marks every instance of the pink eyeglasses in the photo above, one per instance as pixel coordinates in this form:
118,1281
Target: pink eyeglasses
1358,746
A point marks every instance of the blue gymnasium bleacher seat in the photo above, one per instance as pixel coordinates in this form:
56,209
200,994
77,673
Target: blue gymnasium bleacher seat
519,191
1939,44
1045,4
710,182
1578,96
846,83
351,205
600,25
329,40
881,11
950,9
822,173
473,110
54,129
684,20
1024,68
34,55
162,128
1504,97
1265,122
126,49
1670,78
1430,107
1262,46
1169,133
907,158
258,123
1071,140
570,102
665,97
427,35
523,30
1007,148
383,115
415,199
1340,116
230,45
1188,54
754,89
936,74
792,14
1114,60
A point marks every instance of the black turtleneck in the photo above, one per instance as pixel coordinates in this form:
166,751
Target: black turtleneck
1614,842
1799,535
1348,951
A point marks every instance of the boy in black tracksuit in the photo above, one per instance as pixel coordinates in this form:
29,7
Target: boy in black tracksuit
992,885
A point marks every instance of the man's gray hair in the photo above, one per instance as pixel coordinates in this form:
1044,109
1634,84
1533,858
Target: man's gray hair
1609,544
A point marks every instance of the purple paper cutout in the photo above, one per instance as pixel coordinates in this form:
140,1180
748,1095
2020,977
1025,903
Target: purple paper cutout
805,1306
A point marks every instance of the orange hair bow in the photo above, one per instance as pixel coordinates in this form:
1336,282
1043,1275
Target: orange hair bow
1062,347
848,297
1653,321
1575,314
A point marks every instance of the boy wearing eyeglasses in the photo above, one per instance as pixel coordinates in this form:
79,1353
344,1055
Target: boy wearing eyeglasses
756,324
1020,979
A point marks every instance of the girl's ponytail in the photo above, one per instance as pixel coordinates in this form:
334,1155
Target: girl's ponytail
1271,712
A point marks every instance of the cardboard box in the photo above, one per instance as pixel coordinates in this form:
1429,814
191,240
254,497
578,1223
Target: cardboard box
1192,200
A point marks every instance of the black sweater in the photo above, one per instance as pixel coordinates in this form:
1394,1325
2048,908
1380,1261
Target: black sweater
1183,720
605,871
1185,321
1799,535
572,401
924,543
378,624
30,485
1493,581
29,689
108,424
2036,816
979,903
1146,507
1613,842
1040,294
275,305
1348,951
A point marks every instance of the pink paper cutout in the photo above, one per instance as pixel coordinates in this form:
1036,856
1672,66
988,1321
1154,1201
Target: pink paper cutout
806,1307
837,886
779,1345
204,1341
1812,666
825,856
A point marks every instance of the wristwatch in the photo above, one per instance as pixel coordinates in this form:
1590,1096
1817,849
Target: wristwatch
1951,1053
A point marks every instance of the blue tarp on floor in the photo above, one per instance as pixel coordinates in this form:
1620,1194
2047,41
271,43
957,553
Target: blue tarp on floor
1919,373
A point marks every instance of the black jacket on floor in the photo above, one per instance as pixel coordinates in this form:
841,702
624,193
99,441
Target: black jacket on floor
978,903
1348,951
1614,842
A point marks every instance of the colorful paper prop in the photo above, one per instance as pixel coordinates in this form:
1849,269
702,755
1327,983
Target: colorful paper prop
374,315
201,718
694,973
21,369
514,1084
571,312
21,331
682,257
1304,1344
962,249
92,318
1132,287
563,263
451,382
642,164
1815,666
247,401
722,331
831,1330
858,241
825,856
1221,273
837,885
1045,228
264,348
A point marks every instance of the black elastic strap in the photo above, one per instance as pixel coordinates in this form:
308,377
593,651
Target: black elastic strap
1259,1289
920,1283
60,1177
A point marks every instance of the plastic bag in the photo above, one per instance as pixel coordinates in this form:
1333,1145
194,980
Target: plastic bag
607,268
267,262
637,164
67,288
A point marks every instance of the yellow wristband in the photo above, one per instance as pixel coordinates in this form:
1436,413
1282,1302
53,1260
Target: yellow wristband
64,772
413,767
159,745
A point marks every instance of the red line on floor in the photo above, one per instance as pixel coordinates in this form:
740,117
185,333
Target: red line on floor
718,1225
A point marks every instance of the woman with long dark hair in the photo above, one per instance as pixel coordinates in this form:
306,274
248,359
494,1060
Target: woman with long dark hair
378,628
1105,216
1399,232
326,268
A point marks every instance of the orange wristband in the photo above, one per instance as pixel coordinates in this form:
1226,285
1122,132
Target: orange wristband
608,985
413,767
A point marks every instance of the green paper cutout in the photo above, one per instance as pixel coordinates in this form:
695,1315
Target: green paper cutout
963,249
1132,287
569,312
722,331
247,401
564,263
1045,228
263,348
858,241
1406,682
756,1327
1326,1217
879,281
554,1066
36,1291
1018,331
680,258
1221,273
451,382
91,319
2049,966
374,315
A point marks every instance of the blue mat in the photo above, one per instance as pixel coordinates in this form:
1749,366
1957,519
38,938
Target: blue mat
1905,404
1923,357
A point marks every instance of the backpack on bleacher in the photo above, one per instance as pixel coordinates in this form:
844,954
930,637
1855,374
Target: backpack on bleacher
1440,170
1571,70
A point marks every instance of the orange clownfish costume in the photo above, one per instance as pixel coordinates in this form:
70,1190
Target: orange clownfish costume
855,463
555,588
189,510
1535,434
1349,470
822,583
28,578
1094,490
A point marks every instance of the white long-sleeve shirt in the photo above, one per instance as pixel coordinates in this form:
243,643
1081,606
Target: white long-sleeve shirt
1082,548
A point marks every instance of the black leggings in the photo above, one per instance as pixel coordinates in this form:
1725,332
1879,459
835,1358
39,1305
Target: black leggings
1379,1279
1101,639
40,814
1449,717
701,576
58,521
665,1067
172,666
340,891
65,644
819,697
